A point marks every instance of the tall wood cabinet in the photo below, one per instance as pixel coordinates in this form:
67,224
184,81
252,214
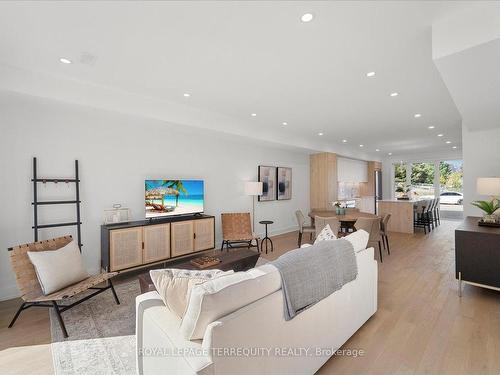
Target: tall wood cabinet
139,243
323,180
368,188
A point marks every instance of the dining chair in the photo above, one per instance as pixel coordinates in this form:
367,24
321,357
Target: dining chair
321,222
372,226
301,220
383,232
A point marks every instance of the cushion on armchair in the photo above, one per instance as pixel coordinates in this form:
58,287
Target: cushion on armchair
57,269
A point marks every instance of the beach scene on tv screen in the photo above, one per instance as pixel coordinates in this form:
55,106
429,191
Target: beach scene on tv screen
173,197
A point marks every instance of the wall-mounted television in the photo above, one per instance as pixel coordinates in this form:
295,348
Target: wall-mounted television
173,197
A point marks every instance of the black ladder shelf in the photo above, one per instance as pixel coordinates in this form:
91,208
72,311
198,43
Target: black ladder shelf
76,180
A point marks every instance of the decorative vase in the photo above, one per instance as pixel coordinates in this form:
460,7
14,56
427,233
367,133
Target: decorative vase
342,211
489,219
337,210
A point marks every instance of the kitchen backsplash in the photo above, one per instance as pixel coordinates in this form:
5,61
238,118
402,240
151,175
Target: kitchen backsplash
348,190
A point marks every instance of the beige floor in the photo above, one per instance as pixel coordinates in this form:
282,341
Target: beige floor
421,326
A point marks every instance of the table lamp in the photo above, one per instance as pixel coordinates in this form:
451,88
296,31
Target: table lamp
253,189
488,186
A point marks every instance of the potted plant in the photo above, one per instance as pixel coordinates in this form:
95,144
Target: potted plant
336,204
404,190
489,208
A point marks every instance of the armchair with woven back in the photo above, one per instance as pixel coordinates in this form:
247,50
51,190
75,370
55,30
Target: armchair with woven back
237,231
31,290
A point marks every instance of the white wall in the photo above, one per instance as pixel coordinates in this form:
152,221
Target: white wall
117,153
481,159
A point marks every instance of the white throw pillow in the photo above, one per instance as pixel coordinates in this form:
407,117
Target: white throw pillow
358,239
174,285
56,269
219,297
326,234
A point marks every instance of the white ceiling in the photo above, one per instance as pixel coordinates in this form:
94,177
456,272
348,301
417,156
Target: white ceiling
238,58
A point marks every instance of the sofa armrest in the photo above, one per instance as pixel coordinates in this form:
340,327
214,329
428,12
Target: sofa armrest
142,302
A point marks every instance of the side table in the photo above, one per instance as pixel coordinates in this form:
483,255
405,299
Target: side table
266,239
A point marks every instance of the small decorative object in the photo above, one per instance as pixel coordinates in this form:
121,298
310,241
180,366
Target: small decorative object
284,183
488,186
204,262
116,215
404,190
267,175
336,204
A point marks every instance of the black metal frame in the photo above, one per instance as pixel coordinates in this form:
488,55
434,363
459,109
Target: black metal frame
266,238
62,308
76,180
245,244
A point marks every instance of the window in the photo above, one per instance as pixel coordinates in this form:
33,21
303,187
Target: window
422,180
451,184
399,179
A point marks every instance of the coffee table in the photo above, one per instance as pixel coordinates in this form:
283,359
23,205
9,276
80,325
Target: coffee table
235,259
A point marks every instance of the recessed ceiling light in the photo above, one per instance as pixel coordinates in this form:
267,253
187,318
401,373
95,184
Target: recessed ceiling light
65,61
320,134
370,74
390,153
344,141
448,142
361,145
440,135
307,17
187,95
454,147
417,115
431,127
253,114
285,123
377,150
394,94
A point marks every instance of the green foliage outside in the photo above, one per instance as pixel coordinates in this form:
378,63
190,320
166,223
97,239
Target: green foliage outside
450,179
422,173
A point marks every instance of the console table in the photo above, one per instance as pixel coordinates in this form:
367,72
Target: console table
477,255
136,244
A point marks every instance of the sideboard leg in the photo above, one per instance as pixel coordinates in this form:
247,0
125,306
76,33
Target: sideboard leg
460,284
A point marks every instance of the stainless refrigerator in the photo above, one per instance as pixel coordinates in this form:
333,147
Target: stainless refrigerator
378,189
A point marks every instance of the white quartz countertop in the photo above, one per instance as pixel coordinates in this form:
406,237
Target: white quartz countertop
397,201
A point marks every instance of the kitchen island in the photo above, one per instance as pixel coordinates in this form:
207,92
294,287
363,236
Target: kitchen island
401,214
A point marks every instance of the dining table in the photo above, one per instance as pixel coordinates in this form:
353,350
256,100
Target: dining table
347,220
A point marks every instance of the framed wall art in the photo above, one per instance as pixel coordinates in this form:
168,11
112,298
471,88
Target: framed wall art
267,175
284,183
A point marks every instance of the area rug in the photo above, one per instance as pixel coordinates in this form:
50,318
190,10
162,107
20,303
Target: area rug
101,334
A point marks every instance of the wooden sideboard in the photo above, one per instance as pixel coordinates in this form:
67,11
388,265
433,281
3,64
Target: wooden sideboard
477,255
140,243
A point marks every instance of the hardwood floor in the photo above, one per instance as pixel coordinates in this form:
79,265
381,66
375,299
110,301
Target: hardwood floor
421,326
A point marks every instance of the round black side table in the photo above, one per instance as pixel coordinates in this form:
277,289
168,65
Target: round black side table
266,239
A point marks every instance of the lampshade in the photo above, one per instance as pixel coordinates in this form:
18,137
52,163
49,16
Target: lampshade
488,186
253,188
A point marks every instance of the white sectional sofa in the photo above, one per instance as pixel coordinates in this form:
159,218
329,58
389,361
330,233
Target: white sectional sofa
254,338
